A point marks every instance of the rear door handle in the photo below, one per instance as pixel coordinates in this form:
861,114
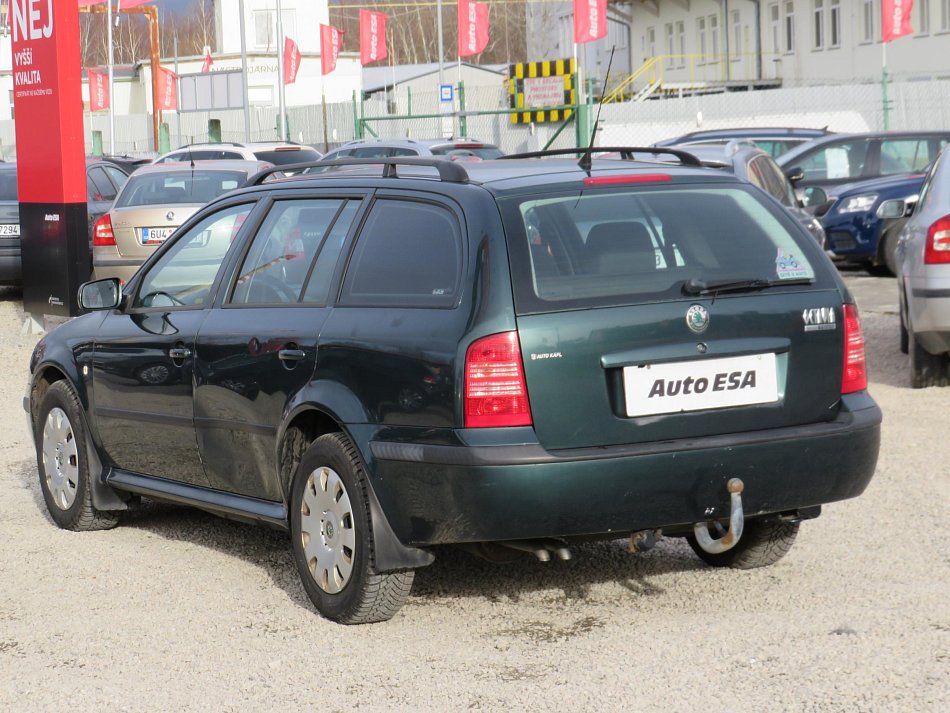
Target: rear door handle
291,354
179,353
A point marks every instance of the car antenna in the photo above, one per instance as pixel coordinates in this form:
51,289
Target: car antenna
585,161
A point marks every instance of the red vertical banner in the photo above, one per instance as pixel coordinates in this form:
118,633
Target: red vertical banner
473,27
331,39
291,60
372,36
206,67
98,90
590,20
167,90
895,19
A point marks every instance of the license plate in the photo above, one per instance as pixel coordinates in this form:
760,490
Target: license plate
9,229
154,236
651,389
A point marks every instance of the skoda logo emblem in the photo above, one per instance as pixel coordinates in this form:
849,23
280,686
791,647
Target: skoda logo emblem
697,318
170,215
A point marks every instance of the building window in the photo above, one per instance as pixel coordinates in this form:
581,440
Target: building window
867,21
945,15
714,46
651,43
775,26
818,31
669,45
265,27
681,36
923,17
834,23
701,39
789,27
737,49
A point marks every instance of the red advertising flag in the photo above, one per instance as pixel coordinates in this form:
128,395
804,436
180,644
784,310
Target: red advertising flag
98,90
372,36
330,40
590,20
291,60
206,67
895,19
167,90
473,27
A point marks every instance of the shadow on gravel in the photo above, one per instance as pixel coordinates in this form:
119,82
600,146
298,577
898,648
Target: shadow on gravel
11,294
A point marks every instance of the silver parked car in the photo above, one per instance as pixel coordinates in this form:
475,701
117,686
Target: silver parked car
923,276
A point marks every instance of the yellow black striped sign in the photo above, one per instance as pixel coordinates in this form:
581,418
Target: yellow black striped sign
524,91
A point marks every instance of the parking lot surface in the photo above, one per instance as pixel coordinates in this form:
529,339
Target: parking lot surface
179,610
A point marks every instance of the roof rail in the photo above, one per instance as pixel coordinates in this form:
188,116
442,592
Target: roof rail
449,171
211,143
626,153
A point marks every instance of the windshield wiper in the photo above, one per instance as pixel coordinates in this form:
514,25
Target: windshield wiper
695,286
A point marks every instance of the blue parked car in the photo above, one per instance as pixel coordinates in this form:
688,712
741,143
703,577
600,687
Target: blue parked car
853,230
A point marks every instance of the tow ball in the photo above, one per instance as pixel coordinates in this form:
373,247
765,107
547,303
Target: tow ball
736,523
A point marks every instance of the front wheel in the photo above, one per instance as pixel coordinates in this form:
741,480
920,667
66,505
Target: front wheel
763,542
60,436
331,531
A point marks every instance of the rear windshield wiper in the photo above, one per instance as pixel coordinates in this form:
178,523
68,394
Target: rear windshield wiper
695,286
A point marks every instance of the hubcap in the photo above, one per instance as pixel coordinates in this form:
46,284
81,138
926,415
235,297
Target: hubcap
60,459
327,530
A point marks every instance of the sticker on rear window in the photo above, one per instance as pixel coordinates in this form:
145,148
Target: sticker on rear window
788,267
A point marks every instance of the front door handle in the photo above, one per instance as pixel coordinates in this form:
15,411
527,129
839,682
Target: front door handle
291,354
179,353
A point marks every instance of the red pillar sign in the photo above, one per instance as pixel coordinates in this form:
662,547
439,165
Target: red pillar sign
51,171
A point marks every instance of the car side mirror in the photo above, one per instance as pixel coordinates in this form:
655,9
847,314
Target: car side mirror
814,196
100,294
795,174
897,208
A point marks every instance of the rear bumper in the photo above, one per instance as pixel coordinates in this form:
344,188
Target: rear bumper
448,494
122,268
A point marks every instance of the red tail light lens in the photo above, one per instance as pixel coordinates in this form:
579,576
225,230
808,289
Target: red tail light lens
496,393
102,234
624,179
854,375
937,251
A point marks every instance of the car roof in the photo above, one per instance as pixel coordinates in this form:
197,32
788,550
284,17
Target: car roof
427,143
248,167
751,132
794,153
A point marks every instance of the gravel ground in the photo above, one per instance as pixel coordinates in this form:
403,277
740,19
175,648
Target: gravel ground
176,609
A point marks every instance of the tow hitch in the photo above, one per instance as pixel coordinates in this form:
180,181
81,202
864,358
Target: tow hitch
736,523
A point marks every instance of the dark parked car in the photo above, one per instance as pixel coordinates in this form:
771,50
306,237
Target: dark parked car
854,230
103,181
840,159
775,141
508,355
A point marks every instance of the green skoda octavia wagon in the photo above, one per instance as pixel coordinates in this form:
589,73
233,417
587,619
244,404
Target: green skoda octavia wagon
513,355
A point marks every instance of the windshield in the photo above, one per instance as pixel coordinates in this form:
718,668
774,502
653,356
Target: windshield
482,151
187,186
282,157
600,247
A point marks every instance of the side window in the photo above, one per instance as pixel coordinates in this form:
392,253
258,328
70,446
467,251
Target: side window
397,151
841,161
372,152
278,262
318,286
904,155
184,274
408,254
104,190
118,177
773,181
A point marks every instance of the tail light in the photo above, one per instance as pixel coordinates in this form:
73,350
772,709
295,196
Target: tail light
854,374
102,234
496,393
937,251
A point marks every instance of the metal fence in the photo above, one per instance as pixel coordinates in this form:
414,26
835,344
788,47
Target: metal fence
481,112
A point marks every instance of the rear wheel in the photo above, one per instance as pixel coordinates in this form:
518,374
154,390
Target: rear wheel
905,338
763,542
927,369
332,539
60,436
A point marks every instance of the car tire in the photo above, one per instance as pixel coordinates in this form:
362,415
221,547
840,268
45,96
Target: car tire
905,338
889,250
331,530
927,369
61,459
763,542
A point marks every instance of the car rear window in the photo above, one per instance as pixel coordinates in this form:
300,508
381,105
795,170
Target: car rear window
482,151
186,186
282,157
602,247
8,190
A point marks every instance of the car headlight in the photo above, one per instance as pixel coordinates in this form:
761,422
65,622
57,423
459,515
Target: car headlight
858,204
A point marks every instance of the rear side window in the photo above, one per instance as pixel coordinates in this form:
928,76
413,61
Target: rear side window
841,161
104,190
409,253
599,248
